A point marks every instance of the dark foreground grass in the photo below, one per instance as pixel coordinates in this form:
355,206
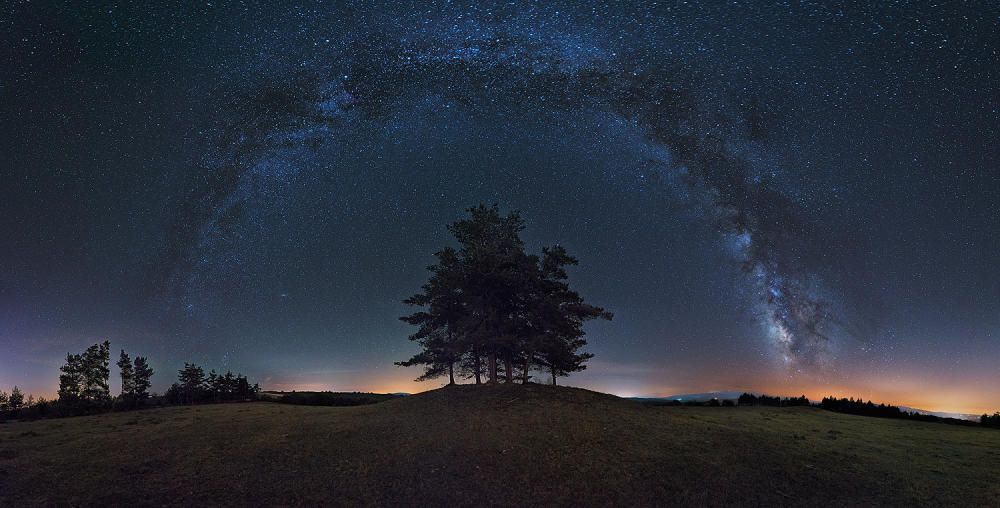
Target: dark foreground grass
513,445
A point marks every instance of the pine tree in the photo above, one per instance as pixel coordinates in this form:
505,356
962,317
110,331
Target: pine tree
4,400
71,380
16,399
142,378
220,388
96,370
492,253
439,331
192,382
230,384
489,299
127,374
560,315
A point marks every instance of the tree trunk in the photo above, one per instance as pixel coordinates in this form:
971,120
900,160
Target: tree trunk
478,366
493,366
553,376
508,367
527,368
451,373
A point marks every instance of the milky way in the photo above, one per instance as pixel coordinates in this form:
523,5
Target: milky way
493,66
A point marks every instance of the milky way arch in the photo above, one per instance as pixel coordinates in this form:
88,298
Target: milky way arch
711,144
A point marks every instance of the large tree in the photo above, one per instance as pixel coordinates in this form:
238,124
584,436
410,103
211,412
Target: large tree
492,255
489,299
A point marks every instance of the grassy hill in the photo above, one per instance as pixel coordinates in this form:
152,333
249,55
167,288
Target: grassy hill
506,445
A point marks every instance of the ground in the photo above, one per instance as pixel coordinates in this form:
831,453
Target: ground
498,445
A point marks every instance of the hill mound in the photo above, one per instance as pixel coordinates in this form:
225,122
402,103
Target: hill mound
494,445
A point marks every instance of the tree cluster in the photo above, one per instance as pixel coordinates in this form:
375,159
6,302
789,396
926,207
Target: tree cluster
136,378
869,408
193,386
749,399
84,380
990,421
15,400
489,309
83,383
860,407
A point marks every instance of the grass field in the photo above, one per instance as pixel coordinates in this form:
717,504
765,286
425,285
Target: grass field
467,445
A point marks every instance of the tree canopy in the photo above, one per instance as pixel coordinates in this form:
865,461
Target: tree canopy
489,308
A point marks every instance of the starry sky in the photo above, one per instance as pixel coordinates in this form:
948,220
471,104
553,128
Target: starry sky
791,197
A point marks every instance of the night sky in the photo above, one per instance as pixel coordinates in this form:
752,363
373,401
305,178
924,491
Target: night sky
791,198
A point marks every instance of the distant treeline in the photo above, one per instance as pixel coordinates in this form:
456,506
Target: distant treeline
193,387
990,421
869,408
749,399
328,398
839,405
83,387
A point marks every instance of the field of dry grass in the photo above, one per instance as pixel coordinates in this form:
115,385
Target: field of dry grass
498,445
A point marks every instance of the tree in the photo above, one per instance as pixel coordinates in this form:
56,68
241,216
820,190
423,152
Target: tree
127,374
439,330
16,399
230,383
71,380
96,370
492,255
192,382
558,314
5,399
489,299
142,378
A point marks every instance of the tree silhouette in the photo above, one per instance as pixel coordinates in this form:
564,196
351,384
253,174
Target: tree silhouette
192,382
127,372
71,380
490,300
142,378
439,332
16,399
96,362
